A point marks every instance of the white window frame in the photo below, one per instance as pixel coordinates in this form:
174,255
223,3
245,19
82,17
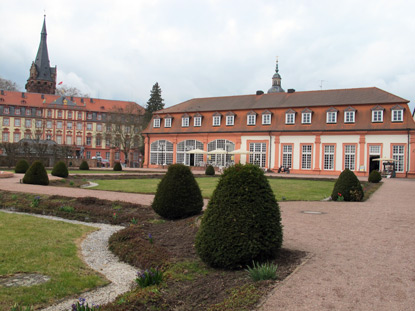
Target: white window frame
287,156
398,154
156,122
69,125
306,118
185,121
197,121
28,122
349,116
329,157
59,124
350,157
331,117
167,122
17,122
230,120
306,157
99,127
397,115
89,126
290,118
251,119
6,122
377,116
216,120
266,119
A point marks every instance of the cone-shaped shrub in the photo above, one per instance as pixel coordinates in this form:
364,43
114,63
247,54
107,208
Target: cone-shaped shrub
60,170
36,175
348,186
21,167
242,222
117,166
84,166
178,194
374,177
210,170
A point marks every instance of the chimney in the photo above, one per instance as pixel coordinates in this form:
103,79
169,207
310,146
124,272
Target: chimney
290,90
259,92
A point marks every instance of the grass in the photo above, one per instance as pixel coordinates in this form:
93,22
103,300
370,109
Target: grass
284,188
32,245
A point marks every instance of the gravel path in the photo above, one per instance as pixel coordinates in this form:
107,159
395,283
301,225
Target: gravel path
95,253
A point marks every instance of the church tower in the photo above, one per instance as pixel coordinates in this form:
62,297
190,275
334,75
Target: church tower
276,82
42,77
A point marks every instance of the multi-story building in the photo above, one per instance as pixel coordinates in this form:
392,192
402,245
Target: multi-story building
315,132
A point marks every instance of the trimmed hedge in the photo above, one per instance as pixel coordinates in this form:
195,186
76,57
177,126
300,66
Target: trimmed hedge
178,194
242,222
348,186
36,175
84,166
21,167
60,170
117,166
210,171
374,177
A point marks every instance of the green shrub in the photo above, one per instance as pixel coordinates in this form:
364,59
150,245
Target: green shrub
60,170
21,167
210,170
117,166
84,166
36,175
348,187
242,222
374,177
149,277
178,194
261,272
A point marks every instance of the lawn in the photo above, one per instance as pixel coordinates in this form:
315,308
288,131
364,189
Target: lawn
33,245
284,188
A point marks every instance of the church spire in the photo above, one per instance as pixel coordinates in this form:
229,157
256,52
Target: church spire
42,77
276,81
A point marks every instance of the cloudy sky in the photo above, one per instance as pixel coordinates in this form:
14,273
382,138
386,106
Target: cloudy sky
204,48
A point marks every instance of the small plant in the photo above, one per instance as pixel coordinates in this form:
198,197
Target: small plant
114,216
36,175
149,277
264,271
66,208
117,166
210,171
374,177
349,186
84,166
150,238
117,207
71,183
16,307
14,197
60,170
340,197
21,167
81,306
36,201
134,221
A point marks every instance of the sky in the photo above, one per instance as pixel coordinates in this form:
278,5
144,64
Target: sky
209,48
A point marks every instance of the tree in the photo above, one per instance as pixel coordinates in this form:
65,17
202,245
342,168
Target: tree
10,150
8,85
155,102
70,91
124,126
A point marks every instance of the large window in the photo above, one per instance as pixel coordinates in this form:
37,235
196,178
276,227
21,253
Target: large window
221,157
287,156
161,152
258,155
16,137
398,154
329,157
350,157
184,156
306,157
5,137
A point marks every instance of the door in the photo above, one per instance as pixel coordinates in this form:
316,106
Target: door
374,165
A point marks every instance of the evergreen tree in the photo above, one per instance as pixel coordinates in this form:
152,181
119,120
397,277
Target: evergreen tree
155,102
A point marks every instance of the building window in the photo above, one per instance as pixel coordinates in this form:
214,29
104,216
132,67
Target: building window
5,137
197,121
397,115
48,137
78,140
98,141
89,126
398,154
39,113
230,120
161,152
28,112
49,124
266,119
185,122
221,159
377,115
251,119
89,116
17,122
329,157
79,115
59,124
167,122
69,114
60,114
306,157
6,122
88,140
287,156
99,127
78,125
17,111
349,116
6,110
216,120
16,137
59,139
28,123
258,155
69,140
99,117
69,125
88,154
306,117
49,113
98,154
290,118
38,123
156,122
117,155
107,155
350,157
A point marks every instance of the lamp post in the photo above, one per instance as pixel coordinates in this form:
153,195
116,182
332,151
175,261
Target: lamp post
161,147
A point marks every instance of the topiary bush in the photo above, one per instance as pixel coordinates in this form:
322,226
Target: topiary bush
210,170
178,194
374,177
117,166
60,170
84,166
36,175
242,222
21,167
348,187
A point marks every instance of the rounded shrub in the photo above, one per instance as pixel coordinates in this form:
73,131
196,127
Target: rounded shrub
210,170
60,170
21,167
348,187
242,222
374,177
84,166
178,194
36,175
117,166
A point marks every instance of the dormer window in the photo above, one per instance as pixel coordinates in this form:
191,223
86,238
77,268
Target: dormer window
216,119
377,114
230,119
167,122
349,115
266,117
290,117
306,116
331,116
6,110
28,112
251,118
17,111
186,121
156,122
397,114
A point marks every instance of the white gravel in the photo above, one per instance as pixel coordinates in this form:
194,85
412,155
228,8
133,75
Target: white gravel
95,253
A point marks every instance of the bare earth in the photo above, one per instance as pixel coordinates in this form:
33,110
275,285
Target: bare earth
363,253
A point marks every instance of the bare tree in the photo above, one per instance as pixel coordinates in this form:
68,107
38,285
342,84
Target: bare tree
70,91
10,150
8,85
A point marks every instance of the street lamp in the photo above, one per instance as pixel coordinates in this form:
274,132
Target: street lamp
161,147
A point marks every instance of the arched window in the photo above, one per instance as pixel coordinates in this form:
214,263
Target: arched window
190,159
161,152
221,145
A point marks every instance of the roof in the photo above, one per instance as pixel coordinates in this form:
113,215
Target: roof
66,102
339,97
